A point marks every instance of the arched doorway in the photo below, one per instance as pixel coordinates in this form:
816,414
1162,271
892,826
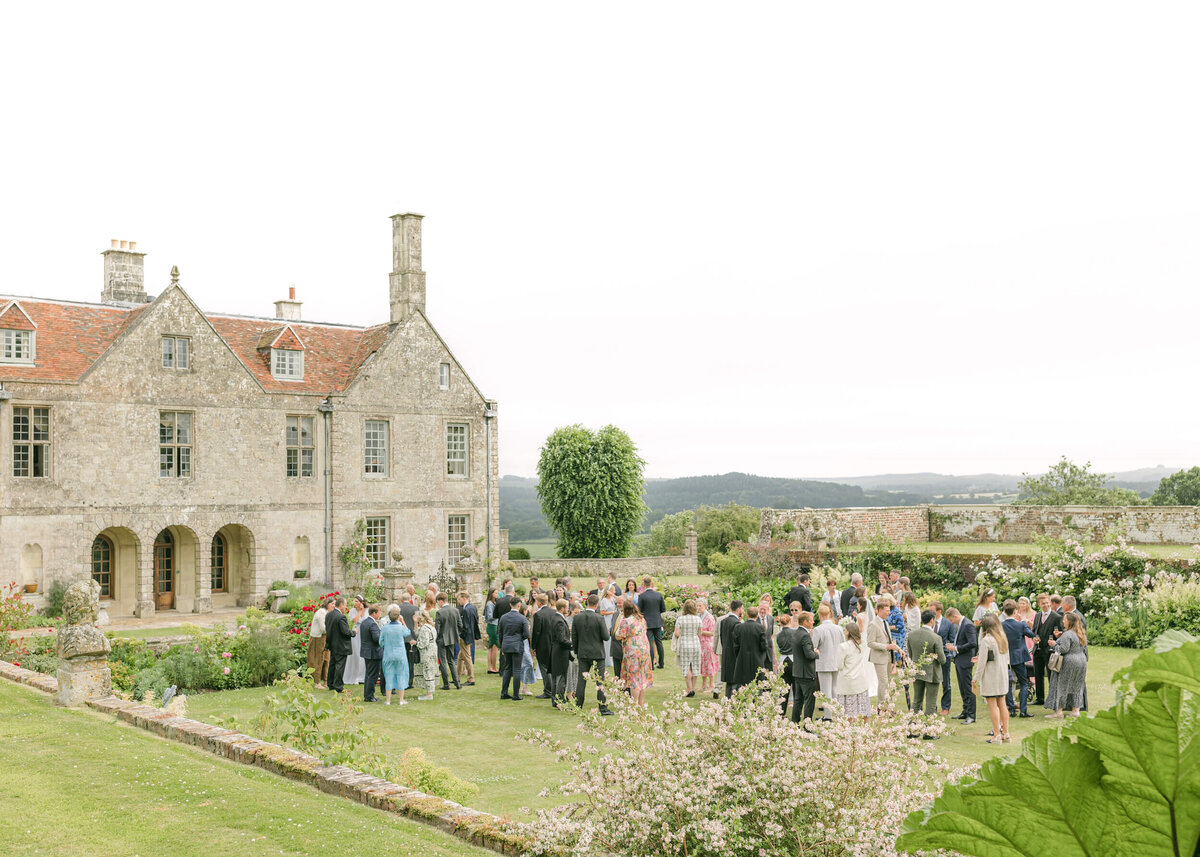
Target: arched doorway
112,561
164,571
104,554
233,545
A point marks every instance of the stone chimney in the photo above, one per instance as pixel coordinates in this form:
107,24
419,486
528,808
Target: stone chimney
407,281
124,277
289,309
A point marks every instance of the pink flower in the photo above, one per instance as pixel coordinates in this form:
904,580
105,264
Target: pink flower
226,670
227,654
195,648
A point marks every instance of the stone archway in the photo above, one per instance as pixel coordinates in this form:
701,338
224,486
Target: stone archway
113,558
241,565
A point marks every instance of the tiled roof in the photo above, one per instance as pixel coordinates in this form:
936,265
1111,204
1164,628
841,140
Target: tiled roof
332,355
71,337
13,317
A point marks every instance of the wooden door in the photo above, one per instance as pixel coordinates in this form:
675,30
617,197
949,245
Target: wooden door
164,571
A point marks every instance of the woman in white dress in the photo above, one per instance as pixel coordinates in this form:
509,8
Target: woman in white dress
356,667
863,618
606,608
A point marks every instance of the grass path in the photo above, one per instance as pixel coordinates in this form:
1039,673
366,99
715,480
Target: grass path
76,782
473,732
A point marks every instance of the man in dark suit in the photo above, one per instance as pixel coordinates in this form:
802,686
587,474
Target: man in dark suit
408,615
371,651
558,640
1017,632
1047,624
337,641
588,633
652,606
848,593
539,640
503,603
800,593
513,631
729,622
804,670
948,631
750,649
616,649
446,626
966,645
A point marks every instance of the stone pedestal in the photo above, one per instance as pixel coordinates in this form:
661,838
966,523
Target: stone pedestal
203,604
277,597
102,618
144,610
395,581
472,580
81,679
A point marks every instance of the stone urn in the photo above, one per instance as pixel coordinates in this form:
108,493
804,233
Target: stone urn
82,646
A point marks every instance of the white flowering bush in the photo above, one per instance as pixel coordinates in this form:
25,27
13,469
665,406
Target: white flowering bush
734,779
1134,597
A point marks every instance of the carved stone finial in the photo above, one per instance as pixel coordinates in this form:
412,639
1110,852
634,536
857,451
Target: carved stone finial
174,275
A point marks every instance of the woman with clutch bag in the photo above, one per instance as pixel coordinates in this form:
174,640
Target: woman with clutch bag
991,675
1068,683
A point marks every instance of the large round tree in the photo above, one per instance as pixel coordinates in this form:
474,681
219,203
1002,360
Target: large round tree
590,485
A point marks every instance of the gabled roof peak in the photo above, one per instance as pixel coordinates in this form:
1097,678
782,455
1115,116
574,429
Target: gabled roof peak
14,317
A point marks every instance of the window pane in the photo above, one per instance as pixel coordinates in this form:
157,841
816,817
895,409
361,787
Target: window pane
39,460
168,352
306,431
377,541
292,431
181,353
20,423
166,427
457,535
183,428
306,462
375,447
185,460
21,460
166,461
41,423
293,465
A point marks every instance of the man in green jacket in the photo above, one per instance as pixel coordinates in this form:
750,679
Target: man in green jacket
925,644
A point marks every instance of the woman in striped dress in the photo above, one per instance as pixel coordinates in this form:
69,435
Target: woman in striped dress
687,645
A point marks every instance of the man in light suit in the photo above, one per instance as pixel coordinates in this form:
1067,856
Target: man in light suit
966,646
880,646
588,633
446,625
922,643
827,638
949,633
729,622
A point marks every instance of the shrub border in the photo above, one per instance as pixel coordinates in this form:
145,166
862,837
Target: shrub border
472,825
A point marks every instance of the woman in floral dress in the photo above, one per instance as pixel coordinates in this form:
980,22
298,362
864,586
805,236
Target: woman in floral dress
687,645
708,655
635,668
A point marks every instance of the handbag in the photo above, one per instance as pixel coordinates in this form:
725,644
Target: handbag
1055,662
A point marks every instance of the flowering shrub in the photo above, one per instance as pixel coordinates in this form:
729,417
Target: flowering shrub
1132,598
735,779
301,621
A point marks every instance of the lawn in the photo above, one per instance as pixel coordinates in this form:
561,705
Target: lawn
539,548
82,783
1016,548
473,732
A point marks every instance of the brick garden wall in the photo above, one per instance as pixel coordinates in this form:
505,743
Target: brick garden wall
855,525
581,570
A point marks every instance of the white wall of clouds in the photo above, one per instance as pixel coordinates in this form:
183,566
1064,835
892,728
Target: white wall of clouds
786,241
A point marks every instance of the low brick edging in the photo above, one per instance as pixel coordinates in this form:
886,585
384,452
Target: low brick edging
478,828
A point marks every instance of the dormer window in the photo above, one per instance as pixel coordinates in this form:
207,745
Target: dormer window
16,346
287,365
17,334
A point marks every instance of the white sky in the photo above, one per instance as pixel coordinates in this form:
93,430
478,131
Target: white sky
790,241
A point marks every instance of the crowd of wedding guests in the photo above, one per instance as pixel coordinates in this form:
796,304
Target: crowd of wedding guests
849,650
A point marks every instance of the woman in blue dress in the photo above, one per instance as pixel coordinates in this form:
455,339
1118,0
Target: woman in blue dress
392,637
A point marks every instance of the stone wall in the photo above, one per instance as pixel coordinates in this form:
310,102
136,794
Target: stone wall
1141,524
849,526
1179,525
581,570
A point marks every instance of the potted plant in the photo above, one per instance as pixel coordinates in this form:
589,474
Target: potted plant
31,587
301,573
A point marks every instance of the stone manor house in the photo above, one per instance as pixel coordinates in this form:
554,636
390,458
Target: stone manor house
186,459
